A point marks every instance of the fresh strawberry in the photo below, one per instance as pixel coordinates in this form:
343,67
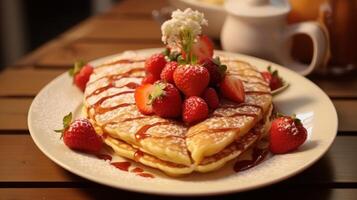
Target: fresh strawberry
166,100
80,73
215,68
192,80
155,64
149,78
211,97
195,109
203,48
80,135
273,78
286,134
142,100
232,88
167,74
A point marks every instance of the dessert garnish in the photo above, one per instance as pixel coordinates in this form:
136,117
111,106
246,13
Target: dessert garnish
80,135
286,134
272,77
165,100
81,73
232,88
195,109
187,67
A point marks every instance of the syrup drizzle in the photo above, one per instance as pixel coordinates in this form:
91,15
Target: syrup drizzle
117,76
122,61
130,85
141,133
137,170
124,166
138,155
257,157
104,157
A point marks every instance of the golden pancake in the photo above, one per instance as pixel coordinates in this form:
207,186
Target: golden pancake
170,145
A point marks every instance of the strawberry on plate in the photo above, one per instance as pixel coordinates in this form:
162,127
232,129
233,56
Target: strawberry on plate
165,99
286,134
232,88
203,48
167,74
211,97
80,135
191,79
195,109
149,78
155,64
215,68
273,78
81,73
142,100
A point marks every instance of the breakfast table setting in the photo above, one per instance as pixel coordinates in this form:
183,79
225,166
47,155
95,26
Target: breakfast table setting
288,60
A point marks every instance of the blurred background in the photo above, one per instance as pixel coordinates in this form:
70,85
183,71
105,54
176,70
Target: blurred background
26,24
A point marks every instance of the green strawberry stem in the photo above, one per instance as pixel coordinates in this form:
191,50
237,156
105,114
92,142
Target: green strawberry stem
66,122
78,65
157,92
187,40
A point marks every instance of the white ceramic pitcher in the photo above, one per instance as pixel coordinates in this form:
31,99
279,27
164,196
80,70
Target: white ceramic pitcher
259,28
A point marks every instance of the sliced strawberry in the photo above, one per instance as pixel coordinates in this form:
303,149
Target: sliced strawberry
211,97
286,134
142,99
232,88
81,73
203,48
195,109
166,100
155,64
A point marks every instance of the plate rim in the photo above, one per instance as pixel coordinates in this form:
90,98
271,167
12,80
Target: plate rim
178,193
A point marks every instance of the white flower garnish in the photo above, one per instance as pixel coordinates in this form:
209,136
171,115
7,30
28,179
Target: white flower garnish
182,29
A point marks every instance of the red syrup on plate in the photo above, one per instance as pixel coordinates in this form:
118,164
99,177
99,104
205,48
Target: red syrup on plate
124,166
257,157
104,157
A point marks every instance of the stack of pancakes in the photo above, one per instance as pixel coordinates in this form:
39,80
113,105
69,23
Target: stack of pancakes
167,144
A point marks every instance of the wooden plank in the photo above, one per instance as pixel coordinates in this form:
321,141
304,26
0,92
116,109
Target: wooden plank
25,163
13,113
109,29
66,55
25,82
109,193
338,87
31,58
347,114
137,7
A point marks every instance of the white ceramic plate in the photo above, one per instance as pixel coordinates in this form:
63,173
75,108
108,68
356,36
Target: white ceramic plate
302,97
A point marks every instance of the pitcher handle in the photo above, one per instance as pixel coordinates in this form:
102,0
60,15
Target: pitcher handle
320,45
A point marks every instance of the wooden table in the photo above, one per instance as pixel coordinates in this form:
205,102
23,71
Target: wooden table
26,173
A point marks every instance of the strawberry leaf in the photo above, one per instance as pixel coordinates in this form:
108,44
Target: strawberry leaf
174,56
181,60
166,52
78,65
221,68
157,92
67,120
